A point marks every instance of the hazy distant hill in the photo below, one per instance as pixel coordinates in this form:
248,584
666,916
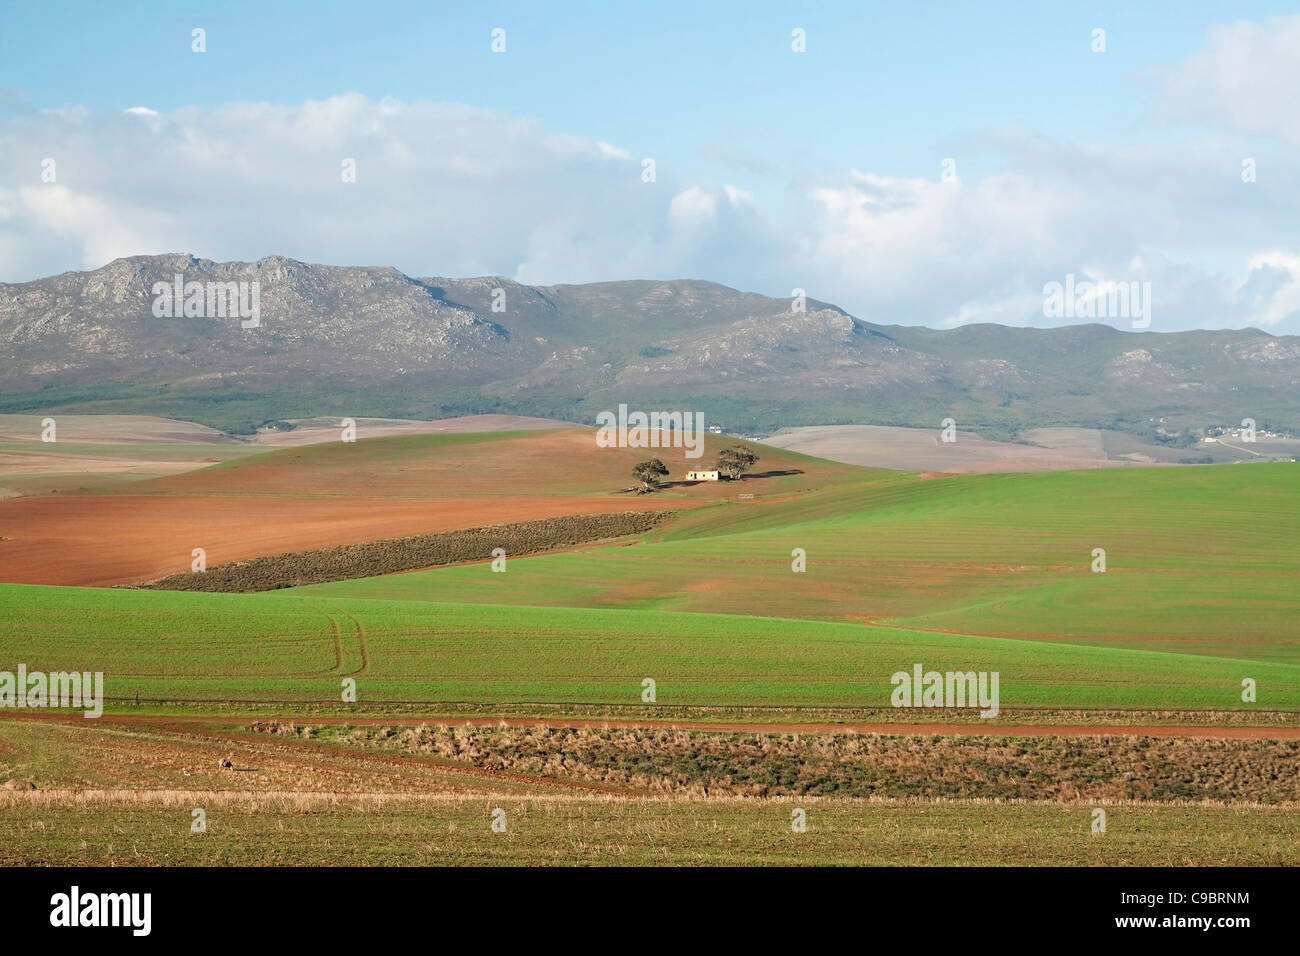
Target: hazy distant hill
372,341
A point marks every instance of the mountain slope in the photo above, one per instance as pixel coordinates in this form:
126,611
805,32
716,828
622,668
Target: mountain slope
372,341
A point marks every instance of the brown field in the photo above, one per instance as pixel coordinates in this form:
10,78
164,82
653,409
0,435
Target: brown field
124,793
104,540
1045,449
27,471
325,495
101,453
629,759
848,764
560,462
105,429
129,828
918,449
312,430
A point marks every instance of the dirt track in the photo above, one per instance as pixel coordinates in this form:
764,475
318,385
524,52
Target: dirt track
207,724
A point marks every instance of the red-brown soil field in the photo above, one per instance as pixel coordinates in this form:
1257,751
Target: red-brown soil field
337,493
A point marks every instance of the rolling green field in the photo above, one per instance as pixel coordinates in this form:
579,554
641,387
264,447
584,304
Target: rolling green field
1200,560
234,702
214,647
983,573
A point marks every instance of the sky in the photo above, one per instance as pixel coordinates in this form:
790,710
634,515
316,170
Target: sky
919,163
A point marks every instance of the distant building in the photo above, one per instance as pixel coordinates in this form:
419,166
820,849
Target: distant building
701,476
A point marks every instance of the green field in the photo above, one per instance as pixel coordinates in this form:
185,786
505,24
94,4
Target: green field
234,703
1200,560
959,573
213,647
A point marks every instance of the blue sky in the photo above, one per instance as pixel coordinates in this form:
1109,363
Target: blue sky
774,169
886,85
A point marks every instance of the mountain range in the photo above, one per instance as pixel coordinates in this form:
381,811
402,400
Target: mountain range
372,341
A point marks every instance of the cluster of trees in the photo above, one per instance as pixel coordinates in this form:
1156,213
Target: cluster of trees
732,462
649,474
735,461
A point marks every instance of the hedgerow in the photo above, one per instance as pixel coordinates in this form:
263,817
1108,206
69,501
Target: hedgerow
391,555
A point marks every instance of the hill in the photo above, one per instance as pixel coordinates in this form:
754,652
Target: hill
337,493
370,341
1199,560
222,647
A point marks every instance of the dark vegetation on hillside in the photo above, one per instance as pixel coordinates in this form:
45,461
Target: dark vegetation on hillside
406,554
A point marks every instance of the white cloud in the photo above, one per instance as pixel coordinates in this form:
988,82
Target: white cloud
441,189
613,151
1271,290
693,207
915,250
1246,79
446,189
736,196
106,228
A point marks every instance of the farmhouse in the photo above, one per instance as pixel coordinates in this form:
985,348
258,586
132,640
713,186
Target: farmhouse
701,476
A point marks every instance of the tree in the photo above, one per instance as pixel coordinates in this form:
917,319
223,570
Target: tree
735,461
649,473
